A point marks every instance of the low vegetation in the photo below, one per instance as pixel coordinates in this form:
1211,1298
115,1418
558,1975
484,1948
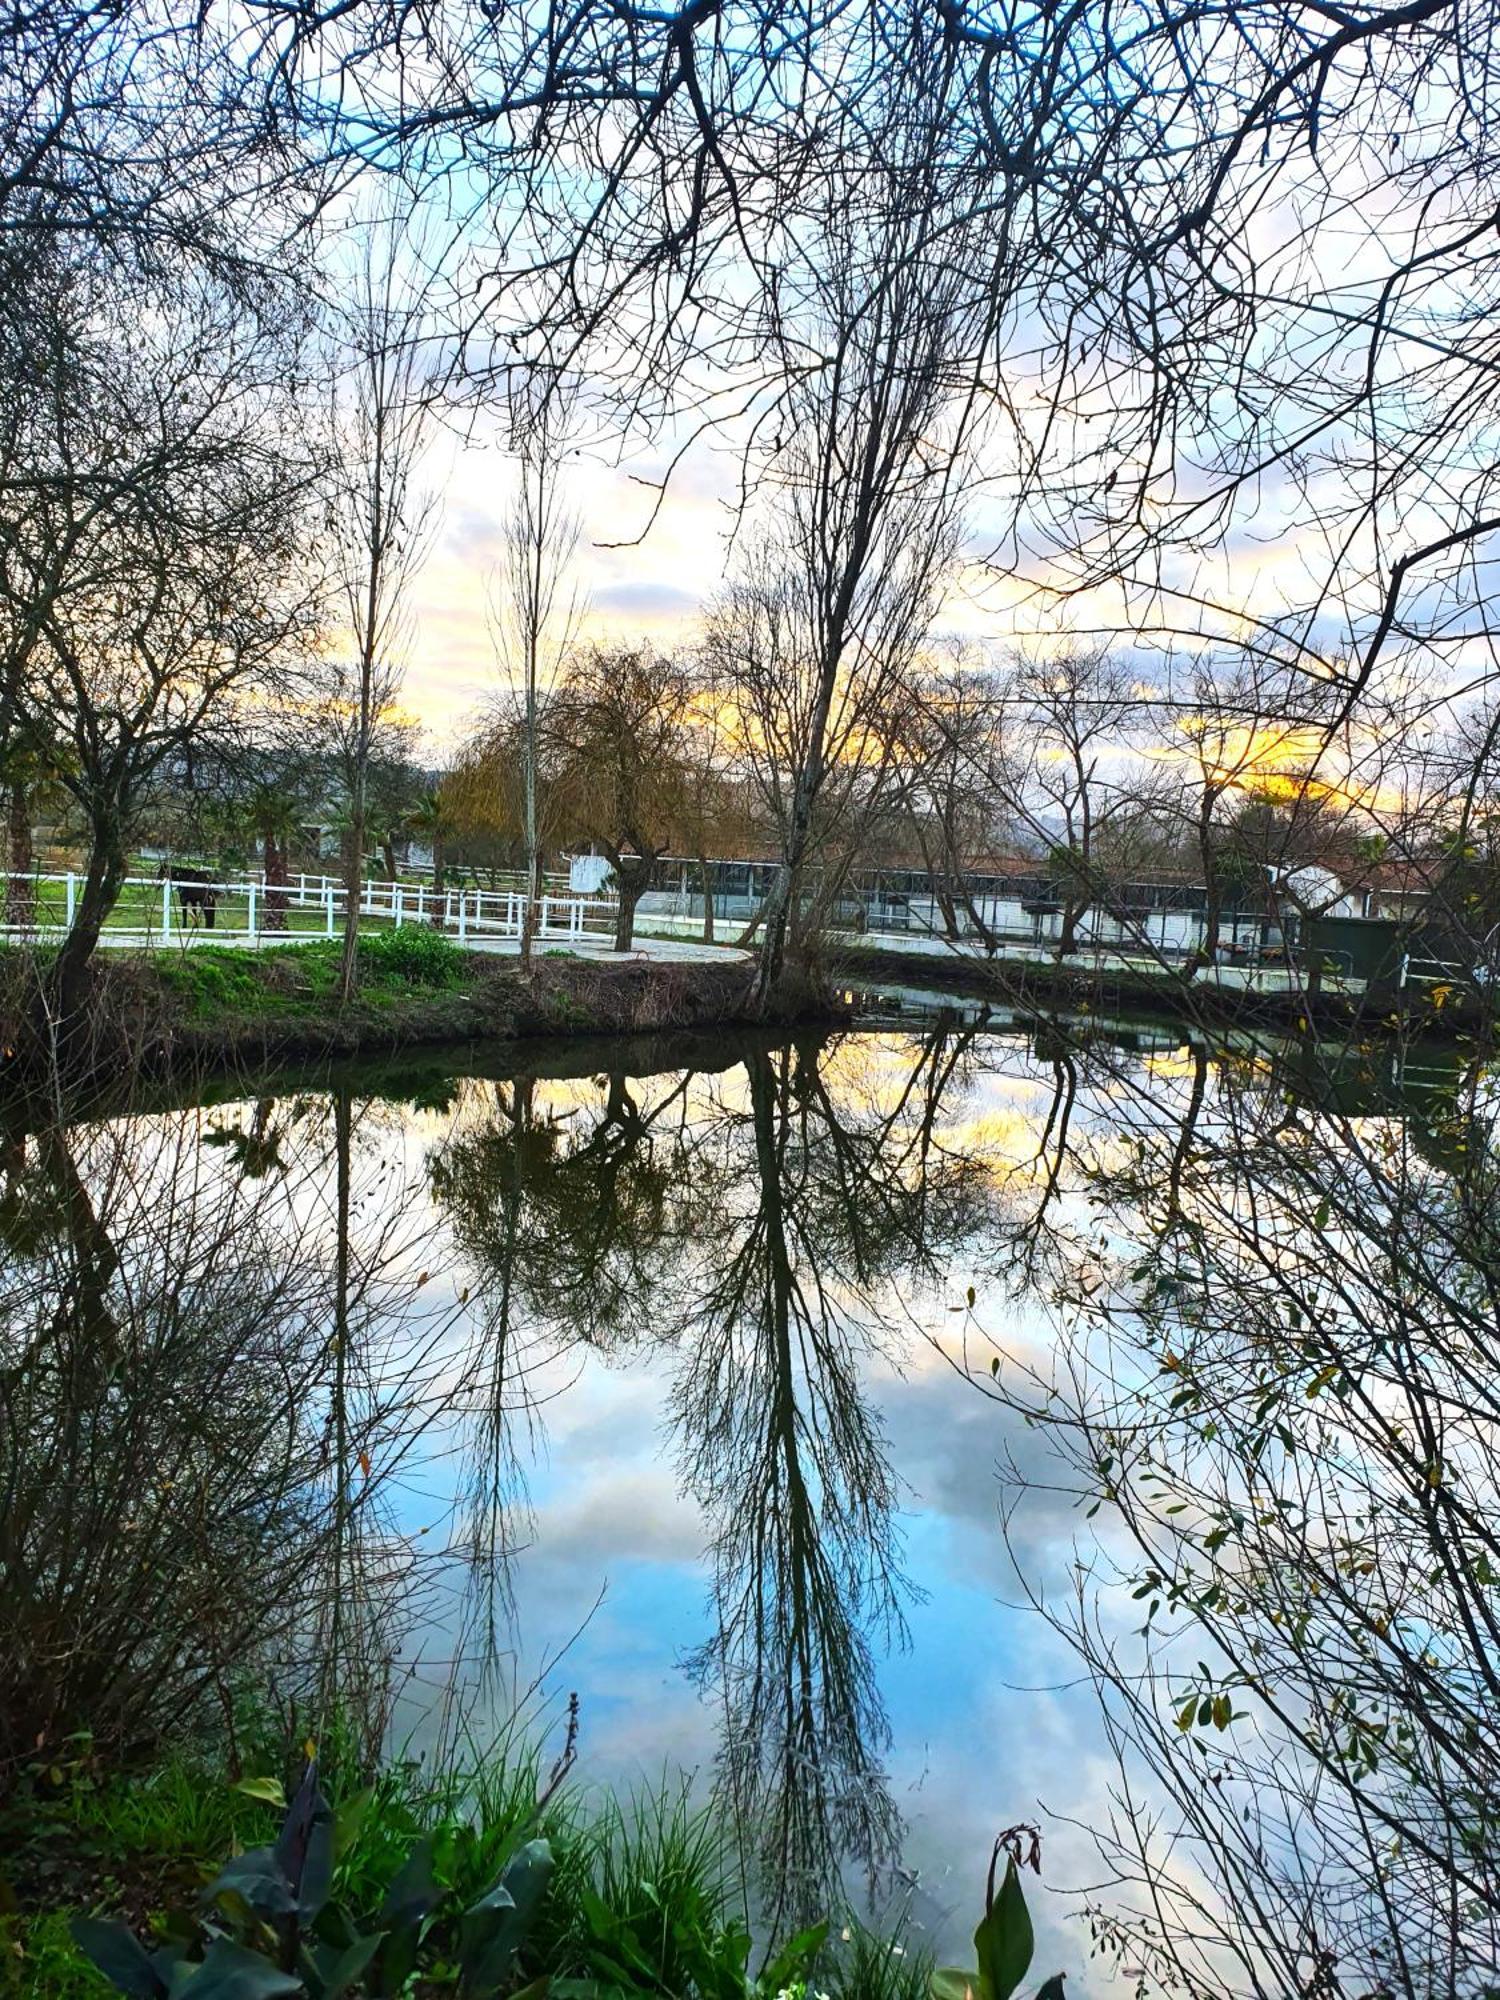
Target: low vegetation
220,1007
476,1879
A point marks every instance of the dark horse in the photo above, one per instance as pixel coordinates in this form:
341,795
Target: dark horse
197,892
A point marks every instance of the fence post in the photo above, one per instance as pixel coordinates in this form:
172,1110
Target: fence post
578,918
72,892
166,911
253,887
398,903
463,915
328,908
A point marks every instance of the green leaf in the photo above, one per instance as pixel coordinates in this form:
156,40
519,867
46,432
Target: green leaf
496,1926
119,1955
1003,1941
794,1957
951,1984
229,1972
270,1791
336,1971
348,1818
257,1879
415,1889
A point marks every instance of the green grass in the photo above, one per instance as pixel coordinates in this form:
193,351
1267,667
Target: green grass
212,980
39,1961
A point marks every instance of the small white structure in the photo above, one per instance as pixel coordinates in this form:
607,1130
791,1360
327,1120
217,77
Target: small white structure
587,874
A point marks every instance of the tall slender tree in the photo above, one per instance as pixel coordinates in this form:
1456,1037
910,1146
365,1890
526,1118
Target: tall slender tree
384,514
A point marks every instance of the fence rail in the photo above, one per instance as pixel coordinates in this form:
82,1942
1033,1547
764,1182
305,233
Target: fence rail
152,911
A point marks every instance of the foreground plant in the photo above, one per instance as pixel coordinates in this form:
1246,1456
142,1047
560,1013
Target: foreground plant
267,1926
1004,1942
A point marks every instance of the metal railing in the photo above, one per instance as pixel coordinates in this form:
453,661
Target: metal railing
252,911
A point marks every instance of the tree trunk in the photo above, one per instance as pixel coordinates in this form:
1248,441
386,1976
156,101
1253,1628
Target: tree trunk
20,894
69,984
633,875
275,870
784,891
630,895
388,856
708,899
1213,903
529,906
354,869
438,880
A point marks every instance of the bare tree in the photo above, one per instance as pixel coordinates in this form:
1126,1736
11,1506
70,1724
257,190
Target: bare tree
867,527
1073,717
954,784
384,516
145,612
534,612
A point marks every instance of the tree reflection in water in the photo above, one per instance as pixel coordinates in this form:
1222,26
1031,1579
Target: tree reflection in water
1277,1274
1272,1274
743,1229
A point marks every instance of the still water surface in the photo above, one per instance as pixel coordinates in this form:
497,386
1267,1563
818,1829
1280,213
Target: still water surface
683,1377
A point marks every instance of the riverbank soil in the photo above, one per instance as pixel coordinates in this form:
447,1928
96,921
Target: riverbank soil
160,1014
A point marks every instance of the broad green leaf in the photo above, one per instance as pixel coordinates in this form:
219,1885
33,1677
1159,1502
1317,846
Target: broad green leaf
949,1983
794,1957
270,1791
229,1972
415,1889
1003,1941
119,1955
496,1926
336,1971
258,1880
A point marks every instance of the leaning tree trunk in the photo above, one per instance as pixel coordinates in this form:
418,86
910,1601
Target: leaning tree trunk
20,892
68,988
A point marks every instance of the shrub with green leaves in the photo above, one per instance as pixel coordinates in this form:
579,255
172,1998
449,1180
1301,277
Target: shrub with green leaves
267,1926
419,955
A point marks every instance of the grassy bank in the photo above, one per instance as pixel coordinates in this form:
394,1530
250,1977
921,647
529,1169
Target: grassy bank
640,1893
215,1008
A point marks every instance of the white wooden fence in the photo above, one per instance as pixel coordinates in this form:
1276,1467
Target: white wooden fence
252,911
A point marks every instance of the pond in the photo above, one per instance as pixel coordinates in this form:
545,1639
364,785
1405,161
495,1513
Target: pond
762,1394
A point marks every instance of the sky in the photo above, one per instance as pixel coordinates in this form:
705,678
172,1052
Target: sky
653,588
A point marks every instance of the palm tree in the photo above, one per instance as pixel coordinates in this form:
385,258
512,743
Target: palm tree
430,821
